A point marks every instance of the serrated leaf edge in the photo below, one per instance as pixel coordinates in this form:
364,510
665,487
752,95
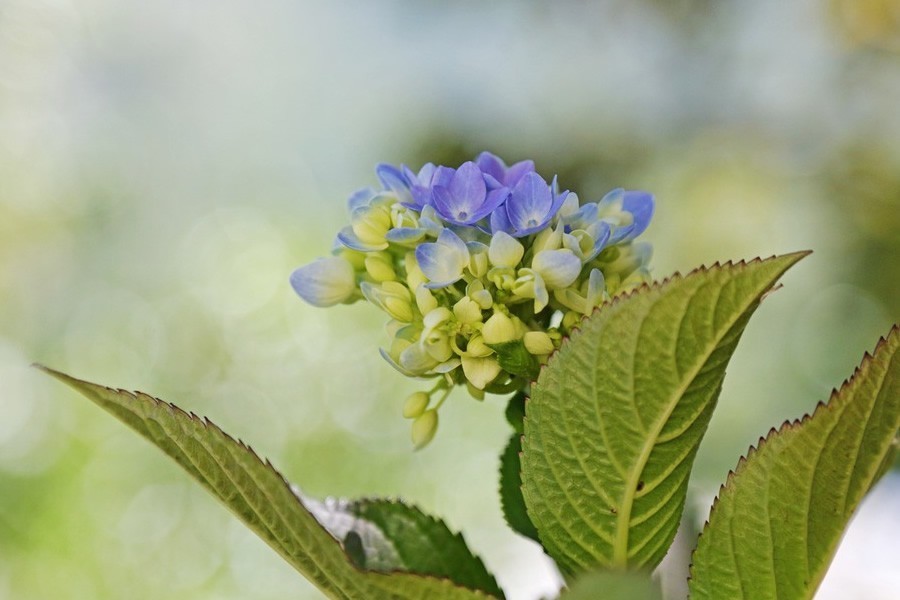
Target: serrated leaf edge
788,425
206,423
576,330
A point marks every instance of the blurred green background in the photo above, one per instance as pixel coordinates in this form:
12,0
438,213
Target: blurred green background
165,165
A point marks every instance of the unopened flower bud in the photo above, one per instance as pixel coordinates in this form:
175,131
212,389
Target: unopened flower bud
379,267
467,311
415,405
498,329
392,297
425,300
424,428
478,260
325,282
538,343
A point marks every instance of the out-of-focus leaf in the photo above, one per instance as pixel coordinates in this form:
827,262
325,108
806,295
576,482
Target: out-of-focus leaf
779,518
613,585
511,490
258,495
617,414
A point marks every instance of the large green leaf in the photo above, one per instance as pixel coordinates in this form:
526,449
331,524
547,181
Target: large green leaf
381,535
616,416
777,522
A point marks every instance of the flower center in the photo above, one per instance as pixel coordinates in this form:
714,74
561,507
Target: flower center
463,215
532,222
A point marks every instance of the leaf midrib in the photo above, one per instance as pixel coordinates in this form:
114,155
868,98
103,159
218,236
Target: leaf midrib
620,548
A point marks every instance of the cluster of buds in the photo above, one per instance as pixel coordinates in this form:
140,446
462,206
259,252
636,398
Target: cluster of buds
482,269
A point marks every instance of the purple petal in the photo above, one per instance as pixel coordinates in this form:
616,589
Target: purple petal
494,199
500,221
442,176
426,173
491,164
517,172
530,202
443,203
468,190
421,197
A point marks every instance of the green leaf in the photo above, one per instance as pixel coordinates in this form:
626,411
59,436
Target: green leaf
516,359
610,585
511,490
515,412
617,414
258,495
779,518
422,543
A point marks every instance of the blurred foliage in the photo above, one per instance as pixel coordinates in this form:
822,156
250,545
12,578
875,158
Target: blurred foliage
164,167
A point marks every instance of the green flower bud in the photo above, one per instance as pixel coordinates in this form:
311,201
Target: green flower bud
371,224
505,250
415,405
498,329
425,300
380,267
414,275
478,262
475,290
538,343
424,428
392,297
467,311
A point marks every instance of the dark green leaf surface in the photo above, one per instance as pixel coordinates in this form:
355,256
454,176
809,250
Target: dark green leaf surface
423,544
617,414
516,359
511,490
258,495
778,519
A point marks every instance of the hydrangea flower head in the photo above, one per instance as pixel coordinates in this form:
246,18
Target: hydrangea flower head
481,269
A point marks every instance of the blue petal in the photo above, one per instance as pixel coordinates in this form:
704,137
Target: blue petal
468,190
559,268
405,235
491,164
391,177
640,205
444,204
500,221
360,198
350,240
529,203
515,173
325,282
442,176
443,261
491,203
600,232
